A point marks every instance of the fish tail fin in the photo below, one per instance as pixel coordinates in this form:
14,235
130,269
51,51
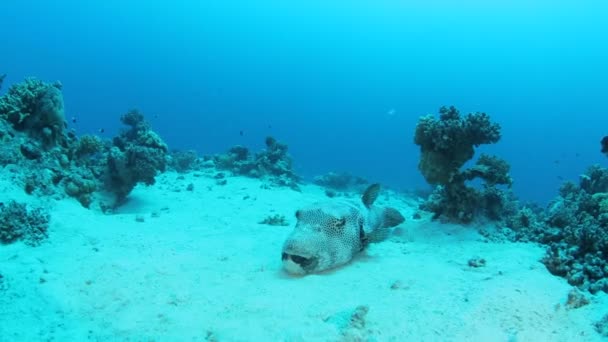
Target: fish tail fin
390,218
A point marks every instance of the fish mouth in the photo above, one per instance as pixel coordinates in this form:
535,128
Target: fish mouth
305,264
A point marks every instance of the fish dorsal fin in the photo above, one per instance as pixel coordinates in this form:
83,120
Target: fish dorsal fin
370,195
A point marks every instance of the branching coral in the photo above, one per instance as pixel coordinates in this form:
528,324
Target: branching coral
446,144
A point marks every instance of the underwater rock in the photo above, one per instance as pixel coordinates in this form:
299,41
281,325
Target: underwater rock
30,151
19,223
476,262
576,299
81,184
352,324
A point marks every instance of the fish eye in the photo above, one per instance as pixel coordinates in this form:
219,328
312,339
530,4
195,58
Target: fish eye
298,214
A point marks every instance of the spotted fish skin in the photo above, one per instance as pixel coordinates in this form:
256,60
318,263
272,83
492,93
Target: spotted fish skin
330,234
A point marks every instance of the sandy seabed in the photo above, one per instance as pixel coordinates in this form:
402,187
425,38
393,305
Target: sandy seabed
178,265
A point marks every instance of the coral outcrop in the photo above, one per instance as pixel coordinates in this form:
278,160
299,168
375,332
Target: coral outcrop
137,155
184,161
341,181
446,144
19,223
36,107
273,163
574,229
48,160
579,219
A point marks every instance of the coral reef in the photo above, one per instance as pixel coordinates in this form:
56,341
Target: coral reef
47,160
34,143
341,181
36,107
574,227
54,172
579,218
273,163
275,220
528,224
184,161
136,156
446,144
19,223
87,147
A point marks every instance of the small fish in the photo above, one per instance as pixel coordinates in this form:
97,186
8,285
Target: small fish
391,112
73,119
241,133
101,130
604,143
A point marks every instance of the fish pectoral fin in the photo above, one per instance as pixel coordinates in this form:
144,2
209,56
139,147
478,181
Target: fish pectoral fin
363,237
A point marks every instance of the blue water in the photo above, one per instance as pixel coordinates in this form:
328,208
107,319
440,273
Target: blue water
325,78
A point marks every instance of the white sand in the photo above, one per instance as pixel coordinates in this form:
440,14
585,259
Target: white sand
204,269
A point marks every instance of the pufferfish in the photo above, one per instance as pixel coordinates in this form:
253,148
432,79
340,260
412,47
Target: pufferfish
328,235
